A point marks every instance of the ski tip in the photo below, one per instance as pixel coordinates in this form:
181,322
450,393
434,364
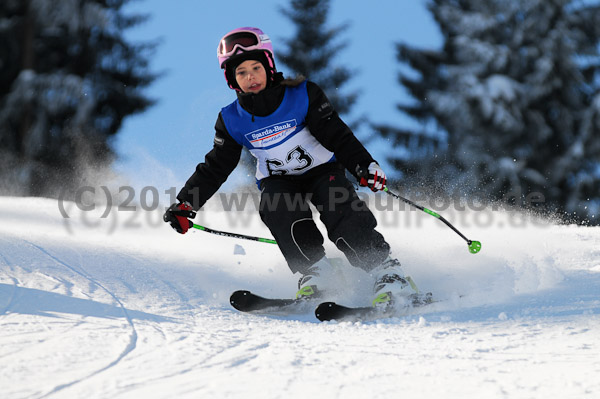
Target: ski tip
323,311
239,299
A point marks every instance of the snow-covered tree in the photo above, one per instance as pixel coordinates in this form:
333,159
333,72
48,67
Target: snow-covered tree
68,78
311,51
515,89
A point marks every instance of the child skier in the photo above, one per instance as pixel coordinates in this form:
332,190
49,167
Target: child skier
302,148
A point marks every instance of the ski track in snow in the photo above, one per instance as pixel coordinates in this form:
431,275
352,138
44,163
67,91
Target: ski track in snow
145,313
132,334
13,290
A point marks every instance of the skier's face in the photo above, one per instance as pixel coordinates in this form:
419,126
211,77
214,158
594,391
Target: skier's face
251,76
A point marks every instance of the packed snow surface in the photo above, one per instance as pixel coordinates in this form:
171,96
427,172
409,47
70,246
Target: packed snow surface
111,303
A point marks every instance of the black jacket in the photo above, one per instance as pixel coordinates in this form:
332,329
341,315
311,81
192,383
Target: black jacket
322,120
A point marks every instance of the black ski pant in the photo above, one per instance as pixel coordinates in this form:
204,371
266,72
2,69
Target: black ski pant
285,209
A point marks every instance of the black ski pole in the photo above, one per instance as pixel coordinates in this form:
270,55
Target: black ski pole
233,235
474,246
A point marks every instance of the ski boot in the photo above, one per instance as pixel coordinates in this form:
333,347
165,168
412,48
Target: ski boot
316,280
391,284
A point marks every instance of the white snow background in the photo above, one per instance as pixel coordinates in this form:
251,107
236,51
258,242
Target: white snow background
123,307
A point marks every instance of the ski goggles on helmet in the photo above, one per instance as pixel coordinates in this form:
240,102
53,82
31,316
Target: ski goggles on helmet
241,40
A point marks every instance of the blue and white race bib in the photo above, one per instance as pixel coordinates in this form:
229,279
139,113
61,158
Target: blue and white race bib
281,142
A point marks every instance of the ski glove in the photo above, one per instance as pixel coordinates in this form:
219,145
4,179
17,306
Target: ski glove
177,216
373,177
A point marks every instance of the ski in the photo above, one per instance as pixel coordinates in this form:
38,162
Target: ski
328,311
246,301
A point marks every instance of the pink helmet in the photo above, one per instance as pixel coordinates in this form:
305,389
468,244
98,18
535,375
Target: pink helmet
242,40
245,43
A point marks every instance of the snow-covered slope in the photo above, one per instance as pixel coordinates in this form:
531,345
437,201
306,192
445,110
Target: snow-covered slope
122,307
